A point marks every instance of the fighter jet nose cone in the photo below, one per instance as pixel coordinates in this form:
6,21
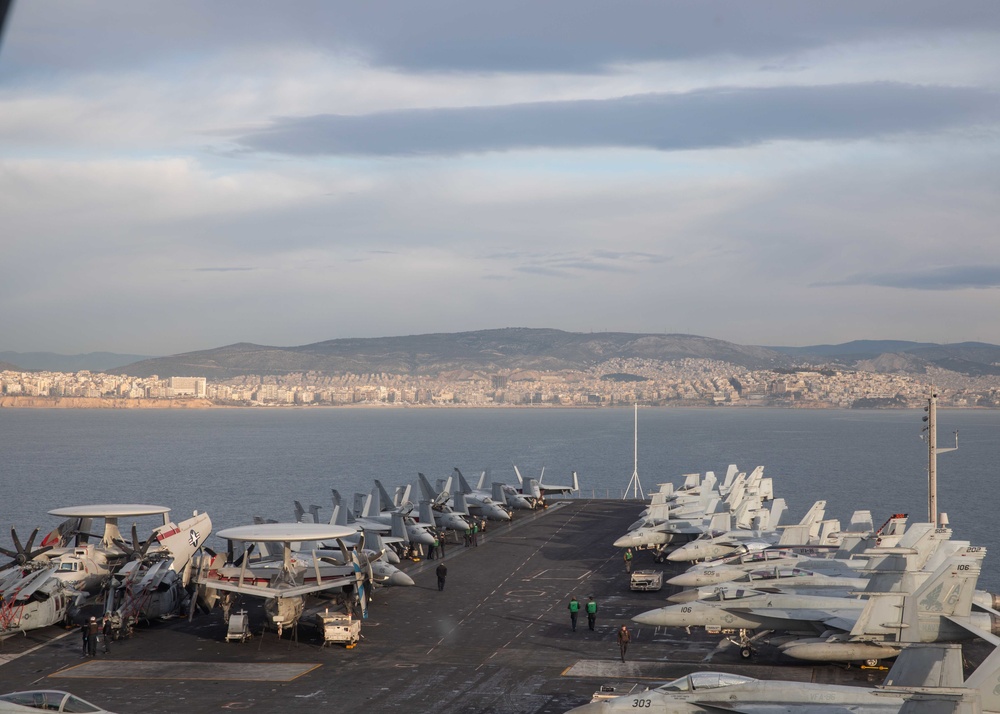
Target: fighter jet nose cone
684,596
626,541
679,556
646,618
400,579
684,580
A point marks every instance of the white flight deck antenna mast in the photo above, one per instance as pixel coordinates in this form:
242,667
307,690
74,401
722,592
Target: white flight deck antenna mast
634,483
932,452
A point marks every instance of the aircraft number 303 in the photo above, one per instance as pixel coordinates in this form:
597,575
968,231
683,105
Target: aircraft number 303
642,703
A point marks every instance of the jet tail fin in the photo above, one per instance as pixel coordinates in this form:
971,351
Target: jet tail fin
947,592
426,513
383,498
731,472
183,540
340,515
721,522
398,529
425,488
463,485
778,508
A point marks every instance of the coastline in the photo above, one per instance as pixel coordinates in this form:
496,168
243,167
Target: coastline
24,402
18,402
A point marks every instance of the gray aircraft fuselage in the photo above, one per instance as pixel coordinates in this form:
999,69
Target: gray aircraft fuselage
804,698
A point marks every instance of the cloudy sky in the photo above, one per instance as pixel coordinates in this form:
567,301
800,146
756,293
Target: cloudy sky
184,175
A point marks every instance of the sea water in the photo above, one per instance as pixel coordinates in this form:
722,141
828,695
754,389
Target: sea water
238,463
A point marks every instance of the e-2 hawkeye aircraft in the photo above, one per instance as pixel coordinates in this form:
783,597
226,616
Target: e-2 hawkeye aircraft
45,585
282,582
153,583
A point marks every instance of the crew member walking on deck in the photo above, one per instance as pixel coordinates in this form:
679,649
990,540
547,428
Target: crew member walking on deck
591,613
85,632
574,609
106,632
624,637
92,629
442,573
628,560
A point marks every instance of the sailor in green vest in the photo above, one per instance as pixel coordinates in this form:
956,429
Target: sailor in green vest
628,560
591,613
574,608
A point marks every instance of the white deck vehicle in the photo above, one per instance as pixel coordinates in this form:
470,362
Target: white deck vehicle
339,627
646,580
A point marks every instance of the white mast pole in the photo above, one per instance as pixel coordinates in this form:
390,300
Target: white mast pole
634,481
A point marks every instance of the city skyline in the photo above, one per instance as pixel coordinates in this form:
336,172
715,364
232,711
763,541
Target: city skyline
178,178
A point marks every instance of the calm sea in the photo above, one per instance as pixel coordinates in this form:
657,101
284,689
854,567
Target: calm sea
236,463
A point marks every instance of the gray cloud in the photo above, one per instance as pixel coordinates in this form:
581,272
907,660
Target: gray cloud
223,270
695,120
455,35
956,277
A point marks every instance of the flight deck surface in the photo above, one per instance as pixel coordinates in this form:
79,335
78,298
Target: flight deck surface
497,639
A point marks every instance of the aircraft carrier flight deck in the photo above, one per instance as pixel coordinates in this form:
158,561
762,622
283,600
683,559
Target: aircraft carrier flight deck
496,639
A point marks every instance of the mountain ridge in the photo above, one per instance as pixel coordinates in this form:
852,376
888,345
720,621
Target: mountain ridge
521,348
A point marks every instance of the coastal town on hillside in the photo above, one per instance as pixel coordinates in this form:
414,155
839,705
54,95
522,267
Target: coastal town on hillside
685,382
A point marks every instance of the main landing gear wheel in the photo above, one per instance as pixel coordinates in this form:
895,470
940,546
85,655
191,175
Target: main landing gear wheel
871,662
746,653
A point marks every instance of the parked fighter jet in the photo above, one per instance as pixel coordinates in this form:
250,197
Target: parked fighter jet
780,579
479,501
870,629
368,515
540,489
849,558
372,555
448,510
927,678
372,558
509,496
282,582
811,530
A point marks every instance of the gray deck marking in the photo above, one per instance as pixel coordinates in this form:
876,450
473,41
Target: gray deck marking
4,659
216,671
510,575
561,574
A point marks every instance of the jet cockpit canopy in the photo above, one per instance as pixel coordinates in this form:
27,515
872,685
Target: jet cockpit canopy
704,680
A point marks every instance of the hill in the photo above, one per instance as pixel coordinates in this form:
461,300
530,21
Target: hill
970,358
432,354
